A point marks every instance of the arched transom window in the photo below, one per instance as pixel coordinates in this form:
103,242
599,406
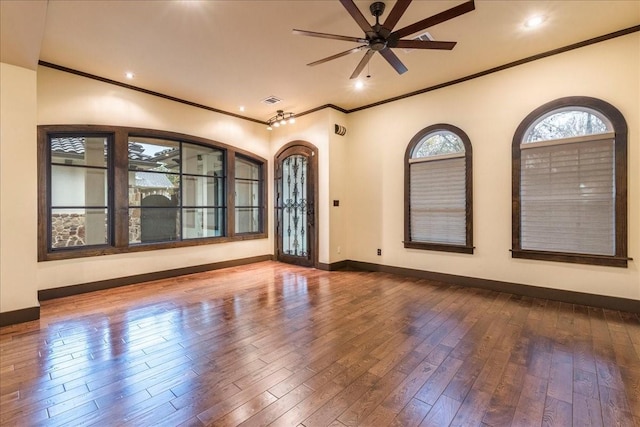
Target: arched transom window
569,175
567,122
438,190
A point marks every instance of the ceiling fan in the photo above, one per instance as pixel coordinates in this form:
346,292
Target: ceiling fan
381,37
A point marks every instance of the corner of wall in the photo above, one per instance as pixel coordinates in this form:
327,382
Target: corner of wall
339,197
18,197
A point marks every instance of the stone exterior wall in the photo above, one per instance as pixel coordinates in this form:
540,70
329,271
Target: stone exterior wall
67,230
135,230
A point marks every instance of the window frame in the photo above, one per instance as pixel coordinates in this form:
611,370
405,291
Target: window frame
468,247
261,205
118,180
620,179
109,196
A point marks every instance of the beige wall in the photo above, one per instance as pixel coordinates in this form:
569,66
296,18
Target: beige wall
364,170
489,109
65,98
18,198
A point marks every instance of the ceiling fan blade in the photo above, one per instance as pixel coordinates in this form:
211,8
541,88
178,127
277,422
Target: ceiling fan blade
363,63
393,60
435,19
358,16
396,13
338,55
424,44
329,36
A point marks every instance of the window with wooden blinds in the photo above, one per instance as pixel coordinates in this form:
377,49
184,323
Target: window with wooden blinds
438,190
569,180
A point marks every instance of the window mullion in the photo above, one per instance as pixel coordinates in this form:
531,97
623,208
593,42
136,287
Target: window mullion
262,217
119,191
230,191
181,193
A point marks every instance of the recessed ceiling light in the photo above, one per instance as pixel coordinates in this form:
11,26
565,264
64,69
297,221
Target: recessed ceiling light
129,75
242,108
359,85
534,21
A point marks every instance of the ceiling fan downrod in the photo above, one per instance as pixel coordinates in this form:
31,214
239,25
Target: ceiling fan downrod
379,42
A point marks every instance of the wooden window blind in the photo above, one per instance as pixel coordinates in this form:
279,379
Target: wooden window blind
567,195
438,199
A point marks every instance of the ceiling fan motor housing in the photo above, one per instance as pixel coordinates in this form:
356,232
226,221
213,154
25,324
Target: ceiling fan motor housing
377,44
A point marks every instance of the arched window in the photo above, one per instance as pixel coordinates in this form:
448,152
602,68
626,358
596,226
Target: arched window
438,193
570,183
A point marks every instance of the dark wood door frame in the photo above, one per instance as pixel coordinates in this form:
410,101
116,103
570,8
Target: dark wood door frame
311,152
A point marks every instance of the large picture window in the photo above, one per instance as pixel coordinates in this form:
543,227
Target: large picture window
438,193
570,183
110,190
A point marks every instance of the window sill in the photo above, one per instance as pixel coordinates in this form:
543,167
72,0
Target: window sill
80,252
439,247
603,260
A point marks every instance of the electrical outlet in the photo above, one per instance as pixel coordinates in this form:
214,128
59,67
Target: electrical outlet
339,249
379,252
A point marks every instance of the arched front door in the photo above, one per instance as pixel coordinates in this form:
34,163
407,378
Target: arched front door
296,201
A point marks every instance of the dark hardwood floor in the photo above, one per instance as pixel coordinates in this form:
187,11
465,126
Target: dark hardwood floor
271,343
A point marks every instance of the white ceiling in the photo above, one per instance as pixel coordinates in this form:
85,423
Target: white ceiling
224,54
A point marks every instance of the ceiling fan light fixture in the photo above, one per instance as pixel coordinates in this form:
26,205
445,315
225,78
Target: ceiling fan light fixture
534,21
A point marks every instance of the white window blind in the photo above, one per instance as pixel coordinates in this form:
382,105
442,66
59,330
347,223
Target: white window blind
437,200
567,196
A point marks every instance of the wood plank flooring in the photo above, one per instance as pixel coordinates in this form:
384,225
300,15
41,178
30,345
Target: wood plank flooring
274,344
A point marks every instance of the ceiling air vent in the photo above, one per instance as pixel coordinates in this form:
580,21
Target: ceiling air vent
424,37
271,100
